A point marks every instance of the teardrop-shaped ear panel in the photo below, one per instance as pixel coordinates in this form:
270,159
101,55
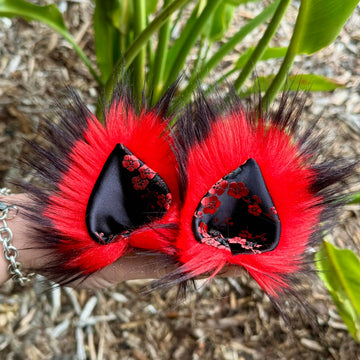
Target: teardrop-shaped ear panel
127,195
237,214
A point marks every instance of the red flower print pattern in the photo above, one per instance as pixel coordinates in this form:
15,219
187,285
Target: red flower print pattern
139,183
237,240
219,187
100,237
210,204
237,213
146,172
257,199
238,190
254,209
245,244
245,234
106,239
212,241
215,238
130,162
203,230
164,201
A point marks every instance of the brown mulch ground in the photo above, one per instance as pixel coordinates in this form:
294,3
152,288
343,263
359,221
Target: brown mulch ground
228,319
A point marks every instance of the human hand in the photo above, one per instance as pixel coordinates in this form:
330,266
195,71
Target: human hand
129,267
145,265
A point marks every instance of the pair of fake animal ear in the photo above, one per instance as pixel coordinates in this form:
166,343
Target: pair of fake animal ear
211,185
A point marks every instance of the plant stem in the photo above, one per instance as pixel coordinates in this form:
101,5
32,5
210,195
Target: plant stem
160,58
178,44
139,42
227,47
191,40
178,17
262,44
289,58
124,14
140,60
83,57
149,65
222,78
205,53
199,54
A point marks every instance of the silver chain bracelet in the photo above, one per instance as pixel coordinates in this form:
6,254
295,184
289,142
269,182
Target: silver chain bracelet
8,212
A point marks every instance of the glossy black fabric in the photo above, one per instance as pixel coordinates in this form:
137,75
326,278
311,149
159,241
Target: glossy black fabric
237,214
126,196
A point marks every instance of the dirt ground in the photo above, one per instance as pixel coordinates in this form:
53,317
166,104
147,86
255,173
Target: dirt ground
228,319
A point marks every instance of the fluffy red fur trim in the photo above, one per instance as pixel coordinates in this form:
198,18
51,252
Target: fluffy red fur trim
231,140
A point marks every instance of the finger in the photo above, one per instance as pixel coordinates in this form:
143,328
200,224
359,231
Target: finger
129,267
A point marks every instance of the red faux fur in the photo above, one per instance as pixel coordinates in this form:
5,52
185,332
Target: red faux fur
147,137
231,141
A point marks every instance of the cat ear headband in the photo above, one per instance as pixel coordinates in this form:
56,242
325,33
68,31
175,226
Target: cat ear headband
234,187
112,187
256,194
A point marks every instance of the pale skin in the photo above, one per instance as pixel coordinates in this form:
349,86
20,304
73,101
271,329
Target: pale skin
128,267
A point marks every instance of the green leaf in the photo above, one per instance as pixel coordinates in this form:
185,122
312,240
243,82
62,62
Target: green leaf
304,82
219,22
151,6
322,22
140,42
227,47
179,43
106,35
160,60
340,272
317,25
270,53
239,2
183,45
262,44
117,12
49,15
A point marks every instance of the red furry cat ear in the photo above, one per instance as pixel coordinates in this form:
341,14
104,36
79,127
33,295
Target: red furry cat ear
108,188
256,194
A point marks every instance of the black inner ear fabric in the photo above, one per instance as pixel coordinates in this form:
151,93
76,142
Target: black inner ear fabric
237,214
127,195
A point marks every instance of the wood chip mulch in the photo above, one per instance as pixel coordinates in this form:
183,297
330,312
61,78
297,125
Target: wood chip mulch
228,319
